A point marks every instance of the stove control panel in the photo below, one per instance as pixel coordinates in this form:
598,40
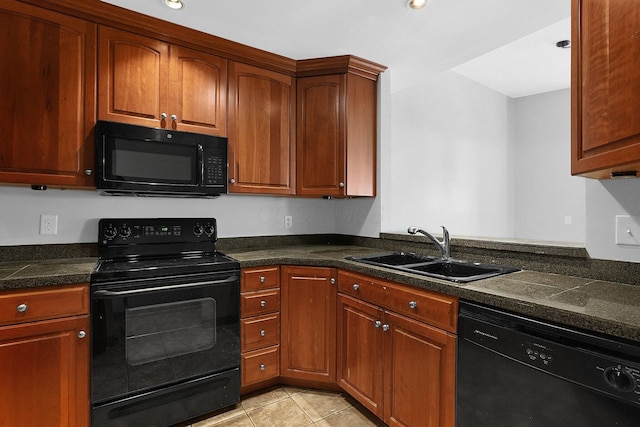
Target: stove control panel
119,231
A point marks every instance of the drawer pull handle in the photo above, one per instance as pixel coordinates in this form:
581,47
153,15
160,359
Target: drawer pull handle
263,279
22,308
413,305
356,286
377,324
263,366
385,327
82,334
263,303
263,333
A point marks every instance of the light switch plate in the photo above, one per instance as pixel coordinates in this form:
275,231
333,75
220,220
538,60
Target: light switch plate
628,230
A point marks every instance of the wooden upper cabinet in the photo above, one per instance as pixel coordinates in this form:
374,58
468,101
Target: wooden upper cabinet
147,82
336,136
47,81
261,131
605,87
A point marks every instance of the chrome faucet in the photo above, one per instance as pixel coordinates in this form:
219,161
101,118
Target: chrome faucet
443,246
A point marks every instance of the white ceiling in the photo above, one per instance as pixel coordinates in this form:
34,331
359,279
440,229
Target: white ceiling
414,44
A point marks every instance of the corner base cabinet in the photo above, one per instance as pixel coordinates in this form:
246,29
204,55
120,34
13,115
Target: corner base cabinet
605,88
400,367
309,324
44,354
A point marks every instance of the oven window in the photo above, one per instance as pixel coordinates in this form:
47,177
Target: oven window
163,331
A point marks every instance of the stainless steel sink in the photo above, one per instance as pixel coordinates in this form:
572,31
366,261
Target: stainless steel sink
452,270
393,259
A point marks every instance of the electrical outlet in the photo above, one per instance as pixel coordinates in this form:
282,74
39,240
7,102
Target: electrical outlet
48,224
288,221
627,230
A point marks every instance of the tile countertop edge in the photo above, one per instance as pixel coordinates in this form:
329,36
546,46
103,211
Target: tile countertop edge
540,308
622,323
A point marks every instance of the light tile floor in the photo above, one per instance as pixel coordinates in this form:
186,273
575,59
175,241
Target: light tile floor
293,407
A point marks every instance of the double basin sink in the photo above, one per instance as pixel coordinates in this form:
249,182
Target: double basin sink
447,269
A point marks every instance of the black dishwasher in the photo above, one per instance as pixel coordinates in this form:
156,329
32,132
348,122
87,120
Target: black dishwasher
514,371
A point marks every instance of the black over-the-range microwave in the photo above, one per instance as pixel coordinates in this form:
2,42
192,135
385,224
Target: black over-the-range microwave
144,161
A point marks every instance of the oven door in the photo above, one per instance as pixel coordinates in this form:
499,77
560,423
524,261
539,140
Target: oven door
153,336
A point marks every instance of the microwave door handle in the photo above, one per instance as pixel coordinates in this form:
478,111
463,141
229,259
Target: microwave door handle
113,294
201,162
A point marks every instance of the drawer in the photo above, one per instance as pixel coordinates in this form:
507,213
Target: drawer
363,287
262,302
254,279
44,303
259,332
430,307
260,365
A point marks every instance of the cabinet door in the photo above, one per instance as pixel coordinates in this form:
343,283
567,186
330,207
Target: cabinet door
133,76
261,131
419,374
308,310
321,136
45,374
47,81
360,352
197,92
605,87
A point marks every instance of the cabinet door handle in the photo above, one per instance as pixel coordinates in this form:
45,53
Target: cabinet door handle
232,181
341,185
263,333
263,303
377,324
82,334
332,281
263,366
413,305
174,117
356,286
88,172
385,327
22,308
163,116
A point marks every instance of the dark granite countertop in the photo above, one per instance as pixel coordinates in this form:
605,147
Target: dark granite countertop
591,304
595,305
48,272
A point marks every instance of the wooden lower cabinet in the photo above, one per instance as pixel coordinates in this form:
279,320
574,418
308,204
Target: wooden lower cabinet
309,323
259,326
44,363
399,368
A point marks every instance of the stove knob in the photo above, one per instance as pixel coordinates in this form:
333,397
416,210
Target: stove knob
208,230
110,232
125,231
619,378
198,230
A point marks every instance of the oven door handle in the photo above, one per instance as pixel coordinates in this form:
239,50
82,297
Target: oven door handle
107,294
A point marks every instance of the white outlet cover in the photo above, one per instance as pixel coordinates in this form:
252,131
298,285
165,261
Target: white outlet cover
48,224
628,230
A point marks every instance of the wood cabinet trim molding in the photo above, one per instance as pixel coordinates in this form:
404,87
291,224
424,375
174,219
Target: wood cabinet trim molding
117,17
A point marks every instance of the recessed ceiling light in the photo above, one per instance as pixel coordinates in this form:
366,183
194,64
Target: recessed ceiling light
174,4
416,4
